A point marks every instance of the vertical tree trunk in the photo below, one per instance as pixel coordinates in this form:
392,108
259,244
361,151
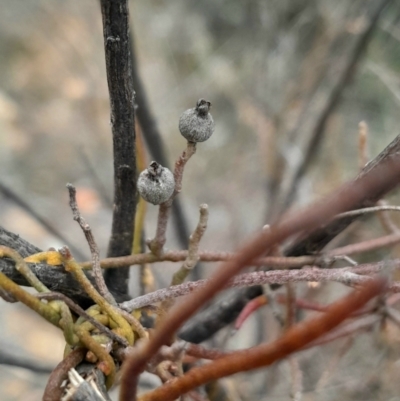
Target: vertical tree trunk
115,16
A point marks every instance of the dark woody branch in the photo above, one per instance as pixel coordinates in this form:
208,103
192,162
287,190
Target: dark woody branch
53,277
115,17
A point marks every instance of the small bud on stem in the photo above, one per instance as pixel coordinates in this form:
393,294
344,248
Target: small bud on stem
156,184
197,124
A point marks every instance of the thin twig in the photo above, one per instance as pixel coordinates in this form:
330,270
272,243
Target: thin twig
362,144
366,210
365,246
386,221
156,245
257,303
347,275
94,249
190,262
193,251
204,256
9,193
269,261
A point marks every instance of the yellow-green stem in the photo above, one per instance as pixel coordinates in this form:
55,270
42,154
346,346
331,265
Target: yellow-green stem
71,265
44,310
100,352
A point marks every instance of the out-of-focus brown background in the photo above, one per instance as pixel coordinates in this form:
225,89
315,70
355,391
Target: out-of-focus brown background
272,70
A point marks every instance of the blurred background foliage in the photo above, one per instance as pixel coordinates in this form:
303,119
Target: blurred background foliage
270,69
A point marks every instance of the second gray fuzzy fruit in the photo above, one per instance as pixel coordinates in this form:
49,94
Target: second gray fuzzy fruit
156,184
197,124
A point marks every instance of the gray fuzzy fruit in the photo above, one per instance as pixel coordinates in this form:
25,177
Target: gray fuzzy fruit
197,124
156,184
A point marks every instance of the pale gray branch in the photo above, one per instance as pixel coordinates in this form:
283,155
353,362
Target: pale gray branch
350,276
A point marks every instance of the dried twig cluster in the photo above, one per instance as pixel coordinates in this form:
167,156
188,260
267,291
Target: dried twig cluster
103,328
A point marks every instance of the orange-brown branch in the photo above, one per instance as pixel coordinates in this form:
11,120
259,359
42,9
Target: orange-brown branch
346,198
294,339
